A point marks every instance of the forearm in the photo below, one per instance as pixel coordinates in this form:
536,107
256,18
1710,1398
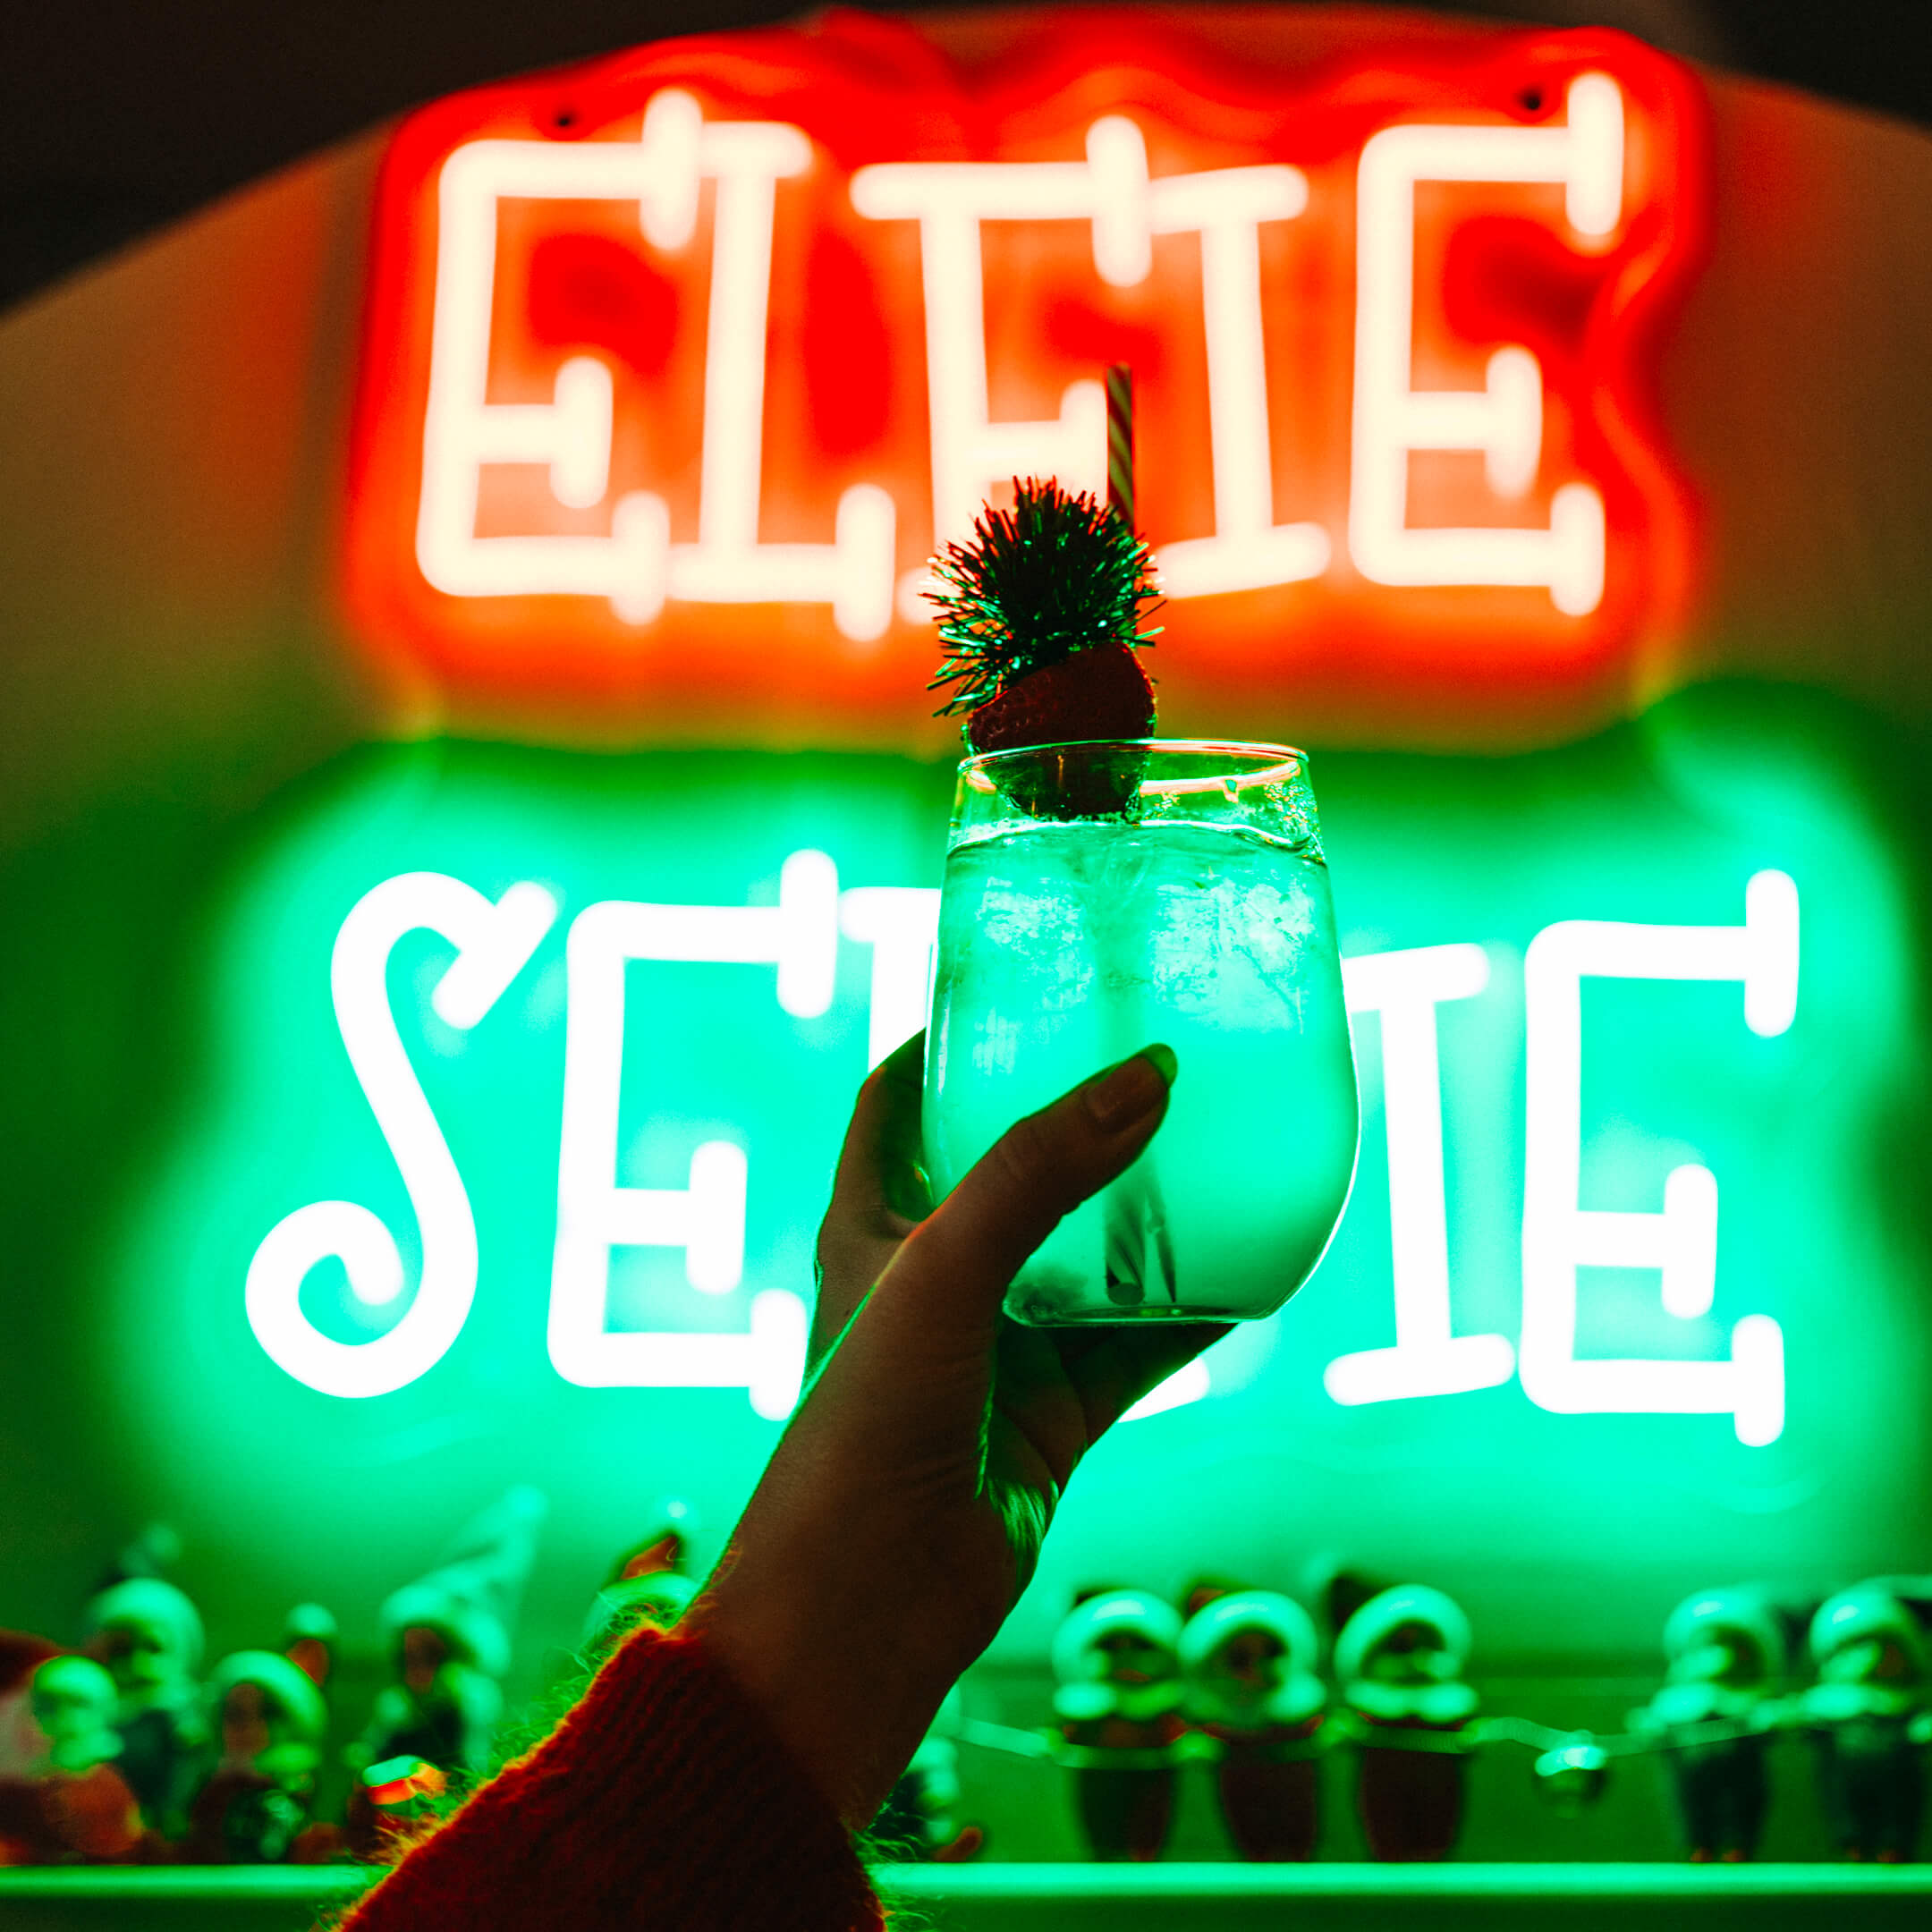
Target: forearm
901,1515
847,1643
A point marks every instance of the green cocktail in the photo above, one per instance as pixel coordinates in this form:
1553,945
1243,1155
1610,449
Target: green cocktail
1101,896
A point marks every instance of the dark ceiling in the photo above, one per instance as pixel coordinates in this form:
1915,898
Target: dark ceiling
121,114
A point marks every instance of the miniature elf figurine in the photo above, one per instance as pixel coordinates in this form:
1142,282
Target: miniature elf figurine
1725,1653
22,1741
445,1704
919,1818
309,1638
450,1637
148,1636
269,1721
1249,1661
449,1631
1867,1714
66,1803
1118,1704
1400,1661
23,1744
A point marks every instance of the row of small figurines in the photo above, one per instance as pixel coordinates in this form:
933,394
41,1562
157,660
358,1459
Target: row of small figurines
120,1750
1142,1691
127,1749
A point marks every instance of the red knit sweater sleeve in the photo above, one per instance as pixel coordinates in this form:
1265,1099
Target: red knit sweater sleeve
661,1799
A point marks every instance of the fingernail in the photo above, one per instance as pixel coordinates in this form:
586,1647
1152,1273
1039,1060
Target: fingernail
1128,1092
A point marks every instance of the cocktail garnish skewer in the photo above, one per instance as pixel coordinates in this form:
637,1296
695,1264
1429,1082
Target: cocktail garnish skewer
1041,614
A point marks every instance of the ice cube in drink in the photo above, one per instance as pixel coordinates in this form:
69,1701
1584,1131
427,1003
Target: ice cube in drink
1065,946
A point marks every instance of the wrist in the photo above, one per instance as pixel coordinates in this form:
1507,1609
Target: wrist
847,1672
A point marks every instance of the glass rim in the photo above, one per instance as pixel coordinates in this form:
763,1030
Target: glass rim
1288,761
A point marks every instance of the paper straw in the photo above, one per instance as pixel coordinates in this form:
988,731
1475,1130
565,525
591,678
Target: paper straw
1119,491
1139,1254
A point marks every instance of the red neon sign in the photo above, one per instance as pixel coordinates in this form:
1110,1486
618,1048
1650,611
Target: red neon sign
677,365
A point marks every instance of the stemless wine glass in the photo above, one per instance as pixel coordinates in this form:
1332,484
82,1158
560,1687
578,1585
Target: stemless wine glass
1099,896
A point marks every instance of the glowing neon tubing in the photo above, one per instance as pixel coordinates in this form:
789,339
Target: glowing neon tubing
1681,1243
493,943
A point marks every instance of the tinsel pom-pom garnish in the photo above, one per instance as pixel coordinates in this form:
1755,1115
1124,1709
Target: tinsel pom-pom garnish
1041,614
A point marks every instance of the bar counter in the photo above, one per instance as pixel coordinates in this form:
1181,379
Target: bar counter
1071,1898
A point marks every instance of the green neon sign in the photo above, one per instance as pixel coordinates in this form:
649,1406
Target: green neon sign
525,1072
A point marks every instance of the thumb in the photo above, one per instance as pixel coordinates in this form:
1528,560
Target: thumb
951,1277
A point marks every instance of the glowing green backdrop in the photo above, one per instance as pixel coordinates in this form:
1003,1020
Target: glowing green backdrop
1563,1532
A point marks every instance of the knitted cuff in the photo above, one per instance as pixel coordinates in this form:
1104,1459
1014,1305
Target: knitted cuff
663,1798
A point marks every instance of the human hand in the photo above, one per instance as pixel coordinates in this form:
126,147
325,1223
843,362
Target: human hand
902,1513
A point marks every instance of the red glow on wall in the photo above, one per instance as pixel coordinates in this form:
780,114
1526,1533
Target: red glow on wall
677,366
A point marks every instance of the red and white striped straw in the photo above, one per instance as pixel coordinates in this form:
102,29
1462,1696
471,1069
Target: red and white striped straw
1119,491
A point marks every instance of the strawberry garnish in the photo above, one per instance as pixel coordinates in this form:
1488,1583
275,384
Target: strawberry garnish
1099,692
1040,616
